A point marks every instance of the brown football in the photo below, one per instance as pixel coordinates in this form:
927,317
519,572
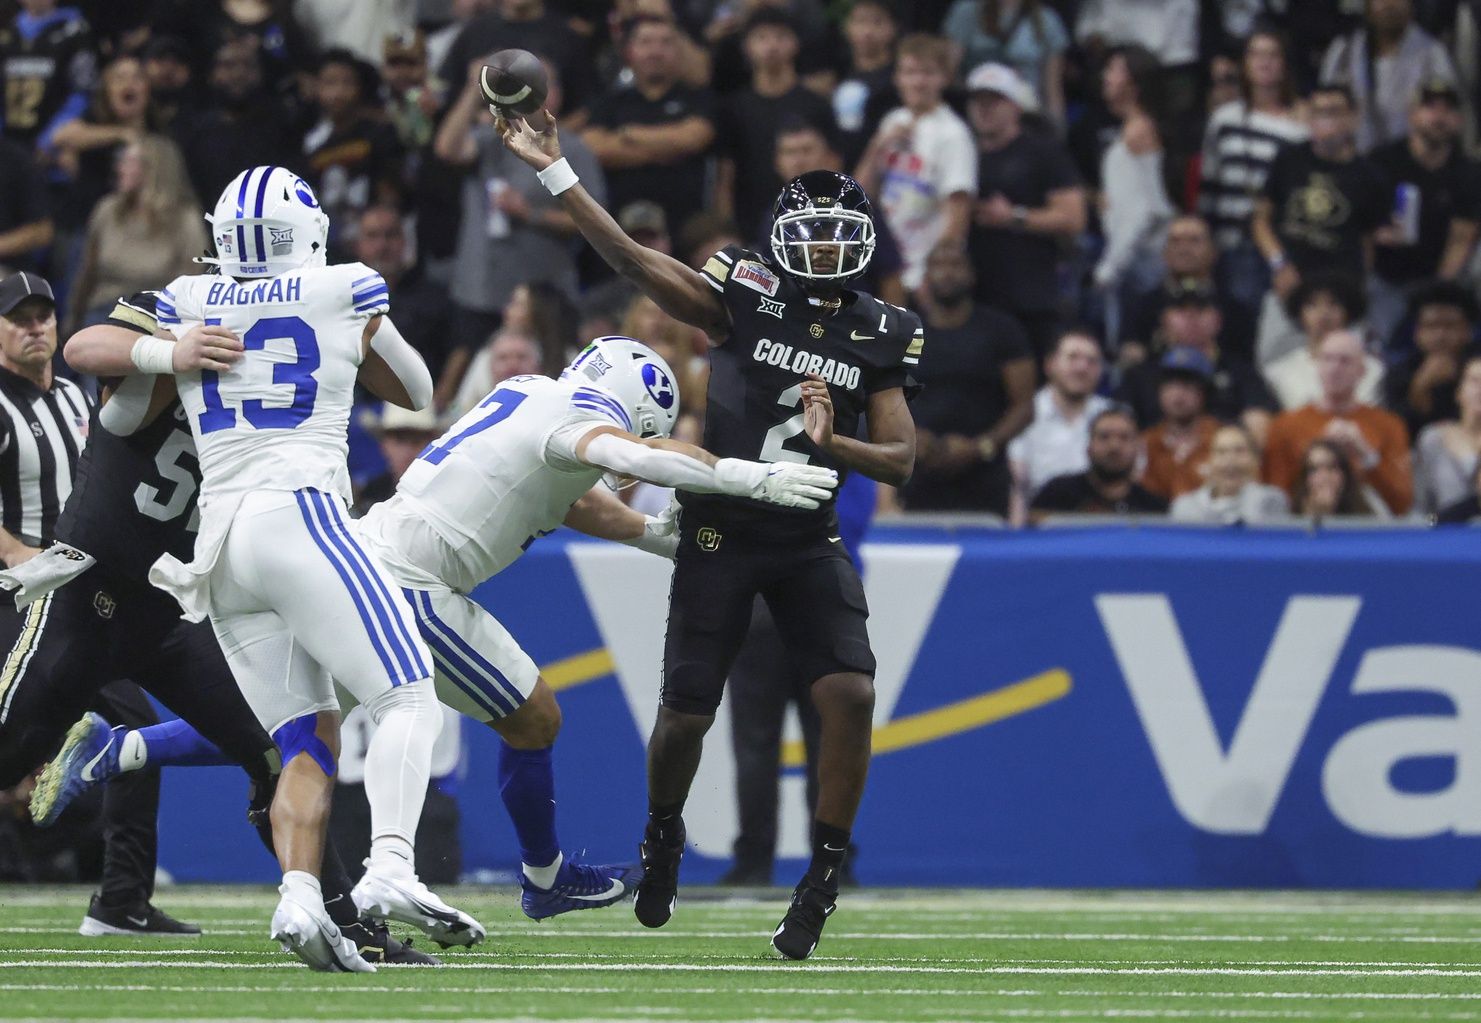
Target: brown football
514,80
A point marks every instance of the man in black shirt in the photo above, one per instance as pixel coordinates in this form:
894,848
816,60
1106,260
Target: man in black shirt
1106,488
48,65
524,25
1426,169
25,218
865,90
977,395
749,117
1320,206
651,137
1029,200
380,244
1421,388
797,360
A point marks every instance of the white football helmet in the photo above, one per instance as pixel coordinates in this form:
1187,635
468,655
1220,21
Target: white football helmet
267,222
635,377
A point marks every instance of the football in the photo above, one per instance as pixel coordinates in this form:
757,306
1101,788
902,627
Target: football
514,80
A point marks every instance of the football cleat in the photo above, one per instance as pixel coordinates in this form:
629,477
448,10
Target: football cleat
577,886
125,921
383,897
378,945
658,891
89,756
798,933
308,933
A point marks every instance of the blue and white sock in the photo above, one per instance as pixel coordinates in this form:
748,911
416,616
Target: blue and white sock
527,786
170,743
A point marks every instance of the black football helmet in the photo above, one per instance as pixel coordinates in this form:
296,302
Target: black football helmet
822,218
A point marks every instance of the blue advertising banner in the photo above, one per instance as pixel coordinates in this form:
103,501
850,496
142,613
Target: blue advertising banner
1096,707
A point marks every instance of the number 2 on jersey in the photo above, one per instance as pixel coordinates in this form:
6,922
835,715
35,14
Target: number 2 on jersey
773,449
299,374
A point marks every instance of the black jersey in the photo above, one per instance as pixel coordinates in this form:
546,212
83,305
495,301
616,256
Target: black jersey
43,69
134,497
778,335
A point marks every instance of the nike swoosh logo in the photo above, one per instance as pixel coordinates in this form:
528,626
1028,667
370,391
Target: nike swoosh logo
856,336
834,539
611,893
831,849
137,922
87,769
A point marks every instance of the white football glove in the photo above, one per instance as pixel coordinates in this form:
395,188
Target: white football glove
660,533
789,484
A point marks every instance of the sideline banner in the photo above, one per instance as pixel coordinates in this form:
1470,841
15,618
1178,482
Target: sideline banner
1098,707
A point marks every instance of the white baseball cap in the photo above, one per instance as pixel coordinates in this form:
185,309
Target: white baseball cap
1004,81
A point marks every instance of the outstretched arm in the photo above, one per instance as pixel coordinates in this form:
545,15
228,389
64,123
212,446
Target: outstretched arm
108,350
678,290
601,514
672,463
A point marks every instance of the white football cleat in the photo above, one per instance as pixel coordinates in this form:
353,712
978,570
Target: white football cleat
313,937
384,897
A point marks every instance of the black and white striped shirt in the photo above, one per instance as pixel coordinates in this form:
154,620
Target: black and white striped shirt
1238,148
41,436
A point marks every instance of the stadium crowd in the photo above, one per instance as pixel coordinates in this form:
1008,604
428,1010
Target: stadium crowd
1206,258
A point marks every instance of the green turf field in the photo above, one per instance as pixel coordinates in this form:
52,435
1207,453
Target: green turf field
887,955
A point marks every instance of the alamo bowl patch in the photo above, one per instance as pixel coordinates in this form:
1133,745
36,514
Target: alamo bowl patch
756,277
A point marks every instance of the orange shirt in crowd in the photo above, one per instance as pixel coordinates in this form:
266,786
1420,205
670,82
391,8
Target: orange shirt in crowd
1292,432
1171,470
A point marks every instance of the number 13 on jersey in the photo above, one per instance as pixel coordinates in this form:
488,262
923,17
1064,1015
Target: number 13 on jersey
297,375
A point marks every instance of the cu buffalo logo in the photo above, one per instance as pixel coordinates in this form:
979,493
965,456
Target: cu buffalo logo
659,386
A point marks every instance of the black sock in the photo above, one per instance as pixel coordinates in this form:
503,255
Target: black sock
334,882
665,821
829,847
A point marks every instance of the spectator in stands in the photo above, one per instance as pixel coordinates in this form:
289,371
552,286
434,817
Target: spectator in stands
512,229
1026,36
360,26
269,25
1422,388
149,229
865,89
724,33
1425,169
1029,204
354,159
87,148
978,395
242,125
422,312
1239,146
652,137
1178,446
747,179
1106,488
1446,456
1326,485
1383,63
1054,442
1191,319
1466,511
411,102
1318,211
1321,304
921,165
48,63
526,25
167,66
1168,28
26,225
1233,492
1188,257
507,354
1373,441
1135,208
802,147
401,435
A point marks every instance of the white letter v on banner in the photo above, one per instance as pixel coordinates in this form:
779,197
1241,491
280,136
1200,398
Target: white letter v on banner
1233,793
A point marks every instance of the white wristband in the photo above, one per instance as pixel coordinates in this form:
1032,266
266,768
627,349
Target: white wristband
558,177
154,355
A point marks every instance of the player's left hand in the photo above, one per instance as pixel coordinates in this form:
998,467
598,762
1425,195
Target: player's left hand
817,410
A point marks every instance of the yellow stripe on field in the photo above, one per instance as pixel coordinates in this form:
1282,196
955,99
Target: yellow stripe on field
578,669
955,718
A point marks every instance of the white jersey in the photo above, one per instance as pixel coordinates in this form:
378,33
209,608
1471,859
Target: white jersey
501,476
278,419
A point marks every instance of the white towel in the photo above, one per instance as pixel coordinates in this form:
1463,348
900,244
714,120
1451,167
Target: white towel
52,568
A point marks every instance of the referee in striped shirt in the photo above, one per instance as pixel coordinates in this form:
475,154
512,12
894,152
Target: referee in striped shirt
43,426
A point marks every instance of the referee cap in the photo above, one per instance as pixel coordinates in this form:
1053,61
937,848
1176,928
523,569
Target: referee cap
18,287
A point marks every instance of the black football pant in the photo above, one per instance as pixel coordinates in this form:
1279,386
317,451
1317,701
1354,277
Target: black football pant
763,681
70,652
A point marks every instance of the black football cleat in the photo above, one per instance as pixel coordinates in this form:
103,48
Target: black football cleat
377,945
124,921
658,891
798,933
